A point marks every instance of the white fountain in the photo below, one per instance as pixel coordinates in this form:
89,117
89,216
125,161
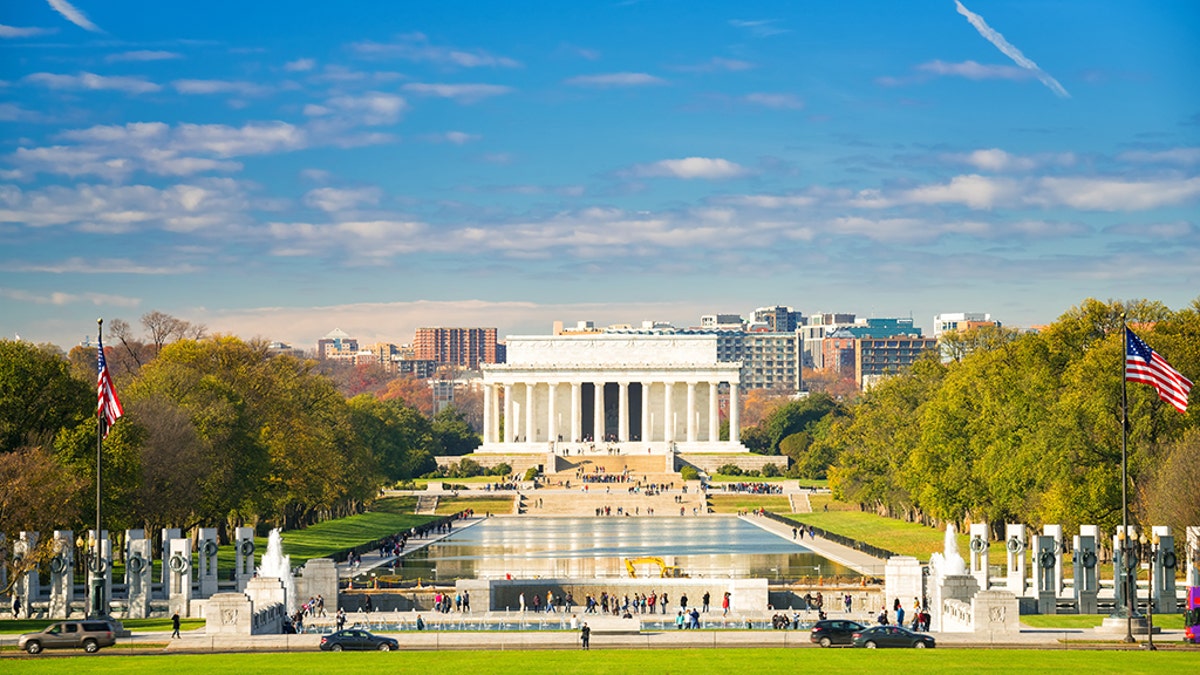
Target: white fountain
279,566
948,562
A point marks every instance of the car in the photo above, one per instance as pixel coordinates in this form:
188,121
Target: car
88,634
828,632
357,639
892,636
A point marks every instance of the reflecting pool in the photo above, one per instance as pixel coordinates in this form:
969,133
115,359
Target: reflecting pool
714,546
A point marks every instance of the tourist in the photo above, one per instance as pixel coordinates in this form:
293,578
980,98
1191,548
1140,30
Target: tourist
467,601
725,604
16,605
705,600
341,618
521,599
683,602
848,601
662,603
585,634
175,626
695,619
549,602
420,623
899,609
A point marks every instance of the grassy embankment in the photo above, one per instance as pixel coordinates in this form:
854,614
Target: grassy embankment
640,662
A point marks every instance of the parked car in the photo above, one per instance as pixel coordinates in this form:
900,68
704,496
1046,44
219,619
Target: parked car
892,636
830,632
357,639
88,634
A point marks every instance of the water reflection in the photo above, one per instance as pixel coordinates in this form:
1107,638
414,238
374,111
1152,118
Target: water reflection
597,547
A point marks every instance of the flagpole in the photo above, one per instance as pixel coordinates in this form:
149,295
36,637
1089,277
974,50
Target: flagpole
1130,592
95,568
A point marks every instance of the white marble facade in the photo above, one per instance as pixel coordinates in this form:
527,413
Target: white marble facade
651,391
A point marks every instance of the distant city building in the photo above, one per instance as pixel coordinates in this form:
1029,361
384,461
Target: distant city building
879,358
337,344
779,319
465,347
281,348
956,321
722,321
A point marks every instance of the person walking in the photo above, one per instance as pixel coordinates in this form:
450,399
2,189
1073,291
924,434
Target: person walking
725,604
341,618
585,634
705,600
175,626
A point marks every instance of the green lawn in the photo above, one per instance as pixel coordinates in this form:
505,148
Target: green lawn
388,516
639,662
481,505
732,503
886,533
1167,621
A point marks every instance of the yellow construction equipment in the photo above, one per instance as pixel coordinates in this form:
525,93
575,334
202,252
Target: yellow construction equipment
665,571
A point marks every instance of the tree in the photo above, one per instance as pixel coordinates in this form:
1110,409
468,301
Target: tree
453,433
38,395
413,392
37,494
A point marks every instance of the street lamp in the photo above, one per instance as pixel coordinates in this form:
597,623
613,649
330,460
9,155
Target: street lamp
1126,568
1150,547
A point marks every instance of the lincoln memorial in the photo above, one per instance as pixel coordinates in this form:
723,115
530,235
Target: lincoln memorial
639,393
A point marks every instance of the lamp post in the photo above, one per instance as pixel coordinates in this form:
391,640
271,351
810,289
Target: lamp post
1151,547
1124,571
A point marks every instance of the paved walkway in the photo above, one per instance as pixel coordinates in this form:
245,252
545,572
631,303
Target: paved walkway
856,560
373,559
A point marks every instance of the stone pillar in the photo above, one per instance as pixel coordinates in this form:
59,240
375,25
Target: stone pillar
714,416
1163,578
646,429
1084,561
551,414
62,575
1014,546
488,417
623,411
243,569
29,586
139,564
179,567
1056,531
903,580
206,561
979,554
691,412
168,534
576,412
1121,576
735,414
598,412
530,422
319,577
1045,555
509,430
668,412
1193,556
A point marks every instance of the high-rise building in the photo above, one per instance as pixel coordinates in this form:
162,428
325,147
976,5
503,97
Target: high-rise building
779,319
337,344
956,321
465,347
879,358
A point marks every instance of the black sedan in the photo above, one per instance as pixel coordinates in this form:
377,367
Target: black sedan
834,632
892,636
357,639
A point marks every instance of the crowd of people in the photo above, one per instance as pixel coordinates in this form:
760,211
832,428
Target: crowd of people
754,488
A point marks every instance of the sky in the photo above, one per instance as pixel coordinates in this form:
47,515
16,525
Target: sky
278,169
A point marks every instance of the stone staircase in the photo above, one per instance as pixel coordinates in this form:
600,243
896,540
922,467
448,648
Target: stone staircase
426,505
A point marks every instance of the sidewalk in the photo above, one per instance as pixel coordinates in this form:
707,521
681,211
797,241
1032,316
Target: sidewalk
374,560
856,560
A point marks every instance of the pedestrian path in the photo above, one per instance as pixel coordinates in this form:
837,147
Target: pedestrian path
856,560
372,560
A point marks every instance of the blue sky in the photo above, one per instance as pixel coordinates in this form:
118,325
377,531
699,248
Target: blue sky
278,169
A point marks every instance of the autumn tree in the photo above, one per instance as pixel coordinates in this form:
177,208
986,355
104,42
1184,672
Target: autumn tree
38,395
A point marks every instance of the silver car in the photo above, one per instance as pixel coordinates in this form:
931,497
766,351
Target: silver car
88,634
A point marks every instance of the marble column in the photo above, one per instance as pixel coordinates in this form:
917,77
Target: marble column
530,422
576,411
598,413
691,412
714,417
645,412
508,413
623,411
735,432
496,414
668,412
487,413
552,422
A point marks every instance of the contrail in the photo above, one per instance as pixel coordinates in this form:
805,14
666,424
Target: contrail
992,36
74,15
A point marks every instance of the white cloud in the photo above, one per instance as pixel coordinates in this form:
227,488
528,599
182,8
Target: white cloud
973,191
99,266
993,36
616,80
1108,194
300,65
333,200
92,82
717,65
777,101
974,71
22,32
70,13
1184,156
204,87
61,298
759,27
12,112
372,108
454,137
462,93
143,55
709,168
416,47
771,201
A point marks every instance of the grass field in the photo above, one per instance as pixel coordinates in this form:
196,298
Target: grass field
640,662
732,503
1167,621
481,505
11,627
388,516
886,533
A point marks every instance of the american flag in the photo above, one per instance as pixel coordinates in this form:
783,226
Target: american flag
108,406
1143,364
